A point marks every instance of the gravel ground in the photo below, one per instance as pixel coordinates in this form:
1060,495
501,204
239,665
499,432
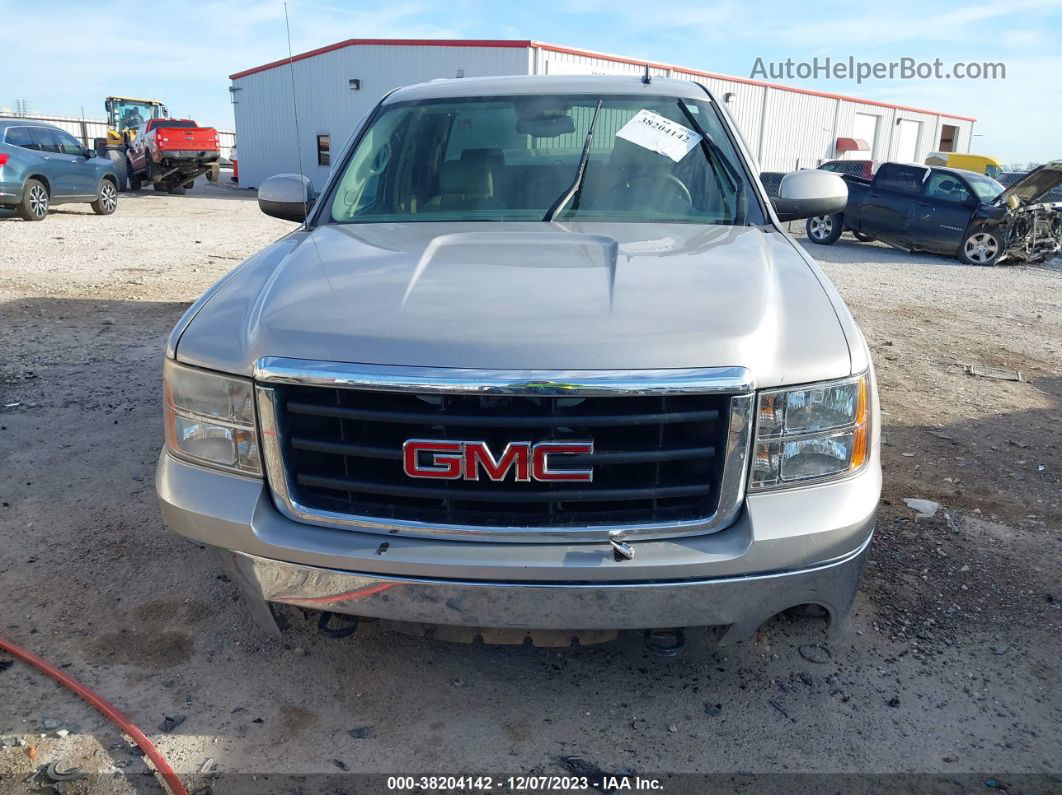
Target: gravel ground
949,664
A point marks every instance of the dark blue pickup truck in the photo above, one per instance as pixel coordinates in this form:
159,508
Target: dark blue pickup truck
949,211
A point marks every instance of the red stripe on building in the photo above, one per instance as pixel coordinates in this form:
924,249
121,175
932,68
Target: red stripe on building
525,43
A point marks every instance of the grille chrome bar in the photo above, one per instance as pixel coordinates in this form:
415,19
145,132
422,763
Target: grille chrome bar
387,378
454,386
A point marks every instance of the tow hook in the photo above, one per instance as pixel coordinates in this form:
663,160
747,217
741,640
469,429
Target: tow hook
621,550
665,642
343,631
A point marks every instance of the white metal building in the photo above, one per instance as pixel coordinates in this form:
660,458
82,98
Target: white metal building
334,86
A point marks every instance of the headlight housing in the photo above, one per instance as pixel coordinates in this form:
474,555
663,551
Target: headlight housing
210,419
811,433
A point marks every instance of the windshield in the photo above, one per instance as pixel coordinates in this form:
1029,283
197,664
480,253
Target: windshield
526,158
986,188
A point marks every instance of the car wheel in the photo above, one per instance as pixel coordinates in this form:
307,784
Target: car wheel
135,180
863,238
121,167
34,204
177,190
982,247
824,229
107,199
160,187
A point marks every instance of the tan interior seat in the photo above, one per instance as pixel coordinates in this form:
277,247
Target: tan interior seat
465,185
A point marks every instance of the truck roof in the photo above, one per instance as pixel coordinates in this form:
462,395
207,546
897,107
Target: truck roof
927,167
546,84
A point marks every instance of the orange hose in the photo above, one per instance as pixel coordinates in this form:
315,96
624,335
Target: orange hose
126,725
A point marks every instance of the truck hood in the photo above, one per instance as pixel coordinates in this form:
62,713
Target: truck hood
528,296
1033,186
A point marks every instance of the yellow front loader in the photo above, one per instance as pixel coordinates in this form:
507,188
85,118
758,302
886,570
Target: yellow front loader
126,115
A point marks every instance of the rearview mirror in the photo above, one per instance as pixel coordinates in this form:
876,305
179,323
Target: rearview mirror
805,194
546,126
286,196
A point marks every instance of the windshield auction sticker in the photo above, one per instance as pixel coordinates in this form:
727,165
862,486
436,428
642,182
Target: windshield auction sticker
659,134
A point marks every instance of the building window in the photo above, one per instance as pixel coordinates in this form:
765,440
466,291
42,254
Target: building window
949,135
322,150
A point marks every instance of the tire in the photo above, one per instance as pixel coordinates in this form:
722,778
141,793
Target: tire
177,190
863,238
160,187
34,204
824,229
107,199
983,246
189,185
121,167
135,180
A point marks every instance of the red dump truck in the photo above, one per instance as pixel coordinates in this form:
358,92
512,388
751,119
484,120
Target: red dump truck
170,153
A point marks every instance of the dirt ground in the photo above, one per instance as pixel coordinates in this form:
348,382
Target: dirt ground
948,666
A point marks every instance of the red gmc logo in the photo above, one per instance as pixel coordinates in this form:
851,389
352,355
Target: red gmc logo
447,460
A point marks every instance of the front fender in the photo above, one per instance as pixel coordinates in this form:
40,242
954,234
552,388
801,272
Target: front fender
985,215
104,171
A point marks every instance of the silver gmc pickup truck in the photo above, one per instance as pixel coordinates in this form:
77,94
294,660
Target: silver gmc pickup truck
540,357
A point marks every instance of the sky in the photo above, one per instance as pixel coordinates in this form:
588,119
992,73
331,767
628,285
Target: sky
67,56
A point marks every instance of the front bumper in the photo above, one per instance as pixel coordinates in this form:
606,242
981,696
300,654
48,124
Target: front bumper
175,157
739,603
785,549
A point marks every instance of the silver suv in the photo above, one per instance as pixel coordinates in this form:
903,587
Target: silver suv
539,357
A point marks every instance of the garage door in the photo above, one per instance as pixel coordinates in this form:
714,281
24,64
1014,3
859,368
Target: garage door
906,140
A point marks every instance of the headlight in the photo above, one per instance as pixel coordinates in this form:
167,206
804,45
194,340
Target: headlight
210,419
811,433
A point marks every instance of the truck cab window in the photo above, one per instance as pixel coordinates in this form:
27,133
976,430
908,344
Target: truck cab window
901,178
946,187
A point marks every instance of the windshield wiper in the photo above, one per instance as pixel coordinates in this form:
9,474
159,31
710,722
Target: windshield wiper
580,172
716,159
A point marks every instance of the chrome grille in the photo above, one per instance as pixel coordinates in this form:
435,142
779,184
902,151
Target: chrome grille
660,459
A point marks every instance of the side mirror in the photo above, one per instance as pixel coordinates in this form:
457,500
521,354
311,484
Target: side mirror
286,196
805,194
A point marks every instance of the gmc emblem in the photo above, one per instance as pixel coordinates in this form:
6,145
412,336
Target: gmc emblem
447,460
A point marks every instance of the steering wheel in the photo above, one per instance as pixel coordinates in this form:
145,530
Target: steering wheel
669,181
